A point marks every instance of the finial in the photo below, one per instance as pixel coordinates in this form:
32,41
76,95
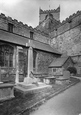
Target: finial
49,4
59,7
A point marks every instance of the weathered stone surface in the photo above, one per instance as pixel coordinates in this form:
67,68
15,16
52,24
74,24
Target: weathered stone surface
22,29
6,91
67,37
41,38
69,41
43,61
54,12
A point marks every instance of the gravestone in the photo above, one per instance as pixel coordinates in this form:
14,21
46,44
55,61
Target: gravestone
63,79
6,91
66,74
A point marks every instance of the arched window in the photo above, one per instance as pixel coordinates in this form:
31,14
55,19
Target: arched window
6,55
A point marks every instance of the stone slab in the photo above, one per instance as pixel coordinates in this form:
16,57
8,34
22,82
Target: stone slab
6,85
6,91
30,88
62,80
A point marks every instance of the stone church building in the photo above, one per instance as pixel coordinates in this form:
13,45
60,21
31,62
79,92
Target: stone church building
24,49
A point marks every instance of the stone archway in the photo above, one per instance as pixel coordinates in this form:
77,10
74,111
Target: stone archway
72,70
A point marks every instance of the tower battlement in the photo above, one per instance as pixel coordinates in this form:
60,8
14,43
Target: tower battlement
54,12
50,11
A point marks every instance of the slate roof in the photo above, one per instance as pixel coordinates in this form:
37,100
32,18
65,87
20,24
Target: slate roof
59,62
44,47
13,38
24,41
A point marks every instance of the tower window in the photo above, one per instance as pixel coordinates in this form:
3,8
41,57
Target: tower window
10,27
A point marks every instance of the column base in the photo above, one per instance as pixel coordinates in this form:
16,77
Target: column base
28,80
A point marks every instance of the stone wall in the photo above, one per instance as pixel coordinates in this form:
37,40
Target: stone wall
56,71
22,29
43,61
77,63
43,13
68,63
67,36
41,37
55,16
18,27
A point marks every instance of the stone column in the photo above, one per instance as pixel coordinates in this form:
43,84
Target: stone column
36,62
30,60
0,75
17,66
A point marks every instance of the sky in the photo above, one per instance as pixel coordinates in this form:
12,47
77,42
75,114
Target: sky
27,11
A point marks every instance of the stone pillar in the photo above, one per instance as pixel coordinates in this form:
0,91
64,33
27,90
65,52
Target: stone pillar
36,62
17,66
30,60
0,75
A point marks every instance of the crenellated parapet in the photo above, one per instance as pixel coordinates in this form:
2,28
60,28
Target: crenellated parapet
71,22
54,12
22,29
18,24
50,11
14,21
2,15
67,36
69,19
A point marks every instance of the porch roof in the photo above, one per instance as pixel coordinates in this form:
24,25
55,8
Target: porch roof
59,62
25,41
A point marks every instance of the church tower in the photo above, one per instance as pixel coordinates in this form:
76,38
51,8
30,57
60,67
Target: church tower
43,13
48,20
